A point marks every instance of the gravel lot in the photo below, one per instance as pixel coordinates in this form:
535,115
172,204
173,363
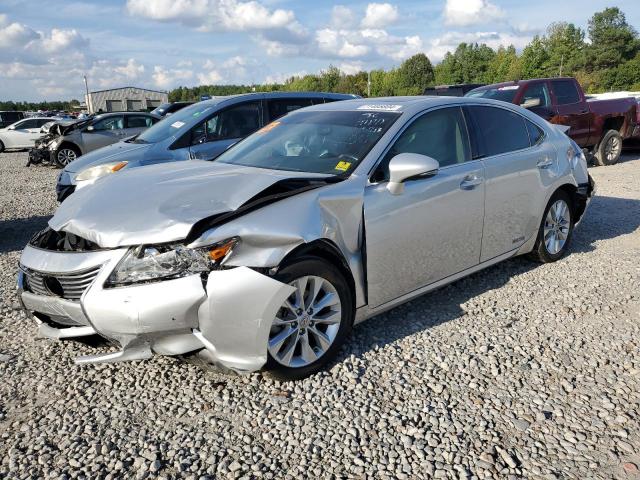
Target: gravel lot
520,371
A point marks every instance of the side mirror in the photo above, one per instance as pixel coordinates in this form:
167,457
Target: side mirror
531,102
89,129
407,165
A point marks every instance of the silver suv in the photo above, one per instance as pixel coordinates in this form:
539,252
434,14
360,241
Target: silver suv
85,136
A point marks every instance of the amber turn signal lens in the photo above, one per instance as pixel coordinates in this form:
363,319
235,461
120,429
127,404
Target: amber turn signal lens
221,251
118,166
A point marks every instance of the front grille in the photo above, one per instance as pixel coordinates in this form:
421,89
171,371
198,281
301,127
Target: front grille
69,286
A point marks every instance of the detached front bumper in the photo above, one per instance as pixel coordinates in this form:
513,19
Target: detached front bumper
228,313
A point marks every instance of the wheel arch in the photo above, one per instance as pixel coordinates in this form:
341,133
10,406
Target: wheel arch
327,250
578,204
71,145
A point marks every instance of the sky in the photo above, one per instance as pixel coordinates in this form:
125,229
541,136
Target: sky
47,46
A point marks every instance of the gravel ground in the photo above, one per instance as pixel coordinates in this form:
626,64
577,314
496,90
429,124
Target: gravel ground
520,371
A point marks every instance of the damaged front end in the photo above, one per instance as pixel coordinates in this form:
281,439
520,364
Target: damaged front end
169,300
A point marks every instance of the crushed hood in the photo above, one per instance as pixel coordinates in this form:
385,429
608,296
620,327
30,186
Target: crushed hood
161,203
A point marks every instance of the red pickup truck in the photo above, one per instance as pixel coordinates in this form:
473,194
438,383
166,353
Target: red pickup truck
596,125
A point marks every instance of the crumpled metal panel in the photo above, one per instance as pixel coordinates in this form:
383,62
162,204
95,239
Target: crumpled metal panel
236,318
333,212
160,203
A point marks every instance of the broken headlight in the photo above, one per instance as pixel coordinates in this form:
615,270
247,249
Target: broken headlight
98,171
148,263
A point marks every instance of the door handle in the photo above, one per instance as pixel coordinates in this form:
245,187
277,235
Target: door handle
544,163
470,182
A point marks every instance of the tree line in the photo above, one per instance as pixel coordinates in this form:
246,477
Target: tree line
603,58
66,106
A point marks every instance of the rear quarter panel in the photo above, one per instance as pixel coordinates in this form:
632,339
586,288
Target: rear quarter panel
623,108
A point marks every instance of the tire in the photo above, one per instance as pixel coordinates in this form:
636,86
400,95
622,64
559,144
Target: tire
546,250
1,147
608,151
294,330
66,154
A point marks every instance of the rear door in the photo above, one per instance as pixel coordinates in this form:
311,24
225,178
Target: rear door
572,110
434,228
515,159
214,135
105,131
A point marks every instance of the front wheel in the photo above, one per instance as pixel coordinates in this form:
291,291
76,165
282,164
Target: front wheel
555,230
609,149
1,147
65,155
313,322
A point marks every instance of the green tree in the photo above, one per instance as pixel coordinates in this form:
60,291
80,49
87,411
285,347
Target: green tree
469,63
504,66
613,40
414,75
534,59
565,46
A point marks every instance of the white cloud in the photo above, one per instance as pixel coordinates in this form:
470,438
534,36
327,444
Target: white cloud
217,15
342,17
380,15
351,67
60,40
463,13
15,35
449,41
131,70
209,78
170,77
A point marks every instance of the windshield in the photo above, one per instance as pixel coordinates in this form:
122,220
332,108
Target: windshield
314,142
506,94
176,124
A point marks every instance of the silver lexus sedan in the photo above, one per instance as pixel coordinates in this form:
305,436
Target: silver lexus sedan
268,256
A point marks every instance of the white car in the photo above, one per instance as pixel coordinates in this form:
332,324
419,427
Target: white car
23,133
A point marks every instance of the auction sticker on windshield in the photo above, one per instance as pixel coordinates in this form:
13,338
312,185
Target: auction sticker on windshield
342,166
384,107
177,124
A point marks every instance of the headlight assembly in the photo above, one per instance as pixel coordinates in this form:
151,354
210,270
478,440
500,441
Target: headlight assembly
148,263
100,171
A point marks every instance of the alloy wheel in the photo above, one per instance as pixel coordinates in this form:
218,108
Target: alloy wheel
556,226
66,156
306,324
612,148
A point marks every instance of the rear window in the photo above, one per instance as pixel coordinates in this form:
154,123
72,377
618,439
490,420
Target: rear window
535,133
498,130
506,94
565,91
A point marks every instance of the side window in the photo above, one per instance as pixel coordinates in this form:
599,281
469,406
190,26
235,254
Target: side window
42,121
280,107
138,122
235,122
535,132
498,130
109,123
440,134
565,91
27,124
536,95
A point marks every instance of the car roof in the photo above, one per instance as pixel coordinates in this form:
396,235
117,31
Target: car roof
521,83
400,104
274,95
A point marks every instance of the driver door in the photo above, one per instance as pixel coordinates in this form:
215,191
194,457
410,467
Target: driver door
105,132
434,228
213,136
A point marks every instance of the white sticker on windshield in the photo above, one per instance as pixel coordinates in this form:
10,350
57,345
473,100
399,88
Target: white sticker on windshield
510,87
381,106
177,124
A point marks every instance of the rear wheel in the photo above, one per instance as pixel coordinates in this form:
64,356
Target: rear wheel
609,149
1,147
66,154
313,322
555,230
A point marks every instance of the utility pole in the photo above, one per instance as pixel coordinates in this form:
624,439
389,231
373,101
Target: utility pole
368,84
86,87
561,62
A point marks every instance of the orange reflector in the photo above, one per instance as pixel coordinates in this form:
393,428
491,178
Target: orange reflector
118,166
219,253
